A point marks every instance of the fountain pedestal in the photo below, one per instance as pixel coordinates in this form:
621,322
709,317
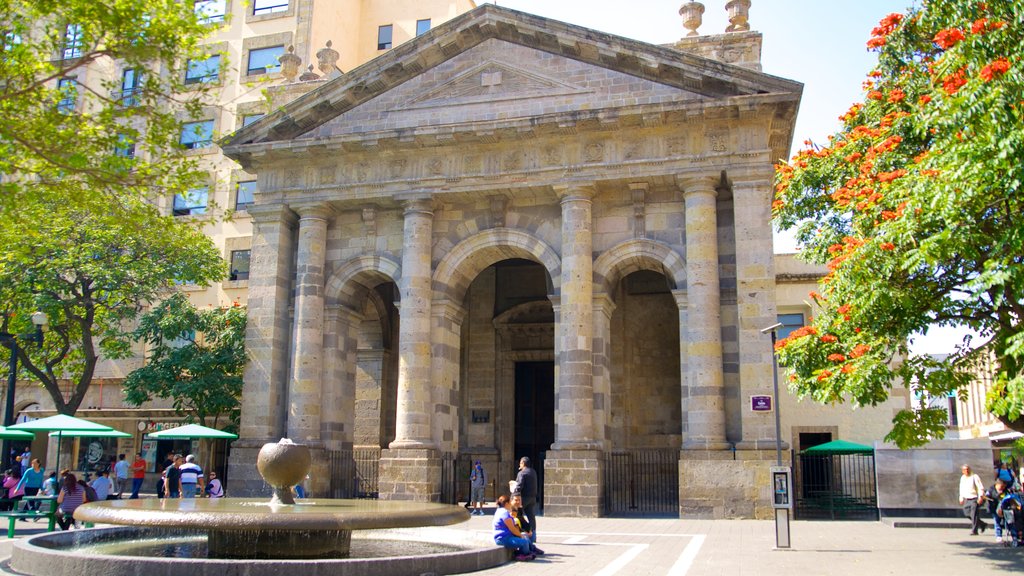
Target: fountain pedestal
279,544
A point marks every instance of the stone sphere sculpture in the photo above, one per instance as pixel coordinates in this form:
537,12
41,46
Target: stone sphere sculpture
283,465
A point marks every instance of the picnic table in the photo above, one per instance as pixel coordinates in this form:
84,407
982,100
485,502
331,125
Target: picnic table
47,509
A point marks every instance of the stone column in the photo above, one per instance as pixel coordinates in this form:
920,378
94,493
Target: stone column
446,330
603,309
573,467
337,425
267,336
704,403
306,380
411,466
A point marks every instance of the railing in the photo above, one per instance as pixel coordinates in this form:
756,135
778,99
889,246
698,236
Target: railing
354,473
837,487
641,483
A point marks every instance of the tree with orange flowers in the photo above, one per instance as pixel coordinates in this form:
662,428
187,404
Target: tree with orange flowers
917,207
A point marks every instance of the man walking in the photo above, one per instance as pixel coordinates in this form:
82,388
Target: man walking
120,475
191,477
478,485
972,494
526,487
172,479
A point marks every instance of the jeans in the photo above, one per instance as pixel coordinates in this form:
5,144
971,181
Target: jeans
136,486
998,523
520,545
188,490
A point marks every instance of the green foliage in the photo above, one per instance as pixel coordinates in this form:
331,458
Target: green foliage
90,266
72,151
203,375
915,205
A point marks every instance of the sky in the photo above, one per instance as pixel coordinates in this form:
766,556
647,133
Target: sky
820,43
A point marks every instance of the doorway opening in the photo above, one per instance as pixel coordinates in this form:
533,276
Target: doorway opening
535,416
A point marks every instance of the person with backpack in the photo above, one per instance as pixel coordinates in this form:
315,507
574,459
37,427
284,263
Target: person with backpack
994,497
478,485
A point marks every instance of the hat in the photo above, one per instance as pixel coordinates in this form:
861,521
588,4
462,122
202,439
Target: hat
477,462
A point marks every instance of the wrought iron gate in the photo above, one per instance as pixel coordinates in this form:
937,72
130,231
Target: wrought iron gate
354,473
836,487
641,483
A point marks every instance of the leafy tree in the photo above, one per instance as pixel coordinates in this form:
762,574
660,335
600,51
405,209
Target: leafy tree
196,358
64,130
916,206
89,266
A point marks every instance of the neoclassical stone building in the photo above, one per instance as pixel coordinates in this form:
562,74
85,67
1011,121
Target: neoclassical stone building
512,236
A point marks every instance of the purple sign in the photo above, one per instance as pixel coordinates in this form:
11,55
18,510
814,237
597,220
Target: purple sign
761,403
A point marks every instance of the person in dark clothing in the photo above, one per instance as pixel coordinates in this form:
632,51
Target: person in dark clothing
172,479
524,524
526,487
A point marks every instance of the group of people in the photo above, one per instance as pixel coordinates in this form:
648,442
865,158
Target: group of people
1002,499
183,478
515,520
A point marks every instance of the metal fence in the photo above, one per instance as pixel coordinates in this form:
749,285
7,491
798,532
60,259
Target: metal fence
354,473
836,487
641,483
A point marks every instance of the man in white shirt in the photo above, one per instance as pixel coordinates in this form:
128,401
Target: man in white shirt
972,494
191,477
101,485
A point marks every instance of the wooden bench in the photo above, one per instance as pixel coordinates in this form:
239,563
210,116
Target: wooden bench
50,514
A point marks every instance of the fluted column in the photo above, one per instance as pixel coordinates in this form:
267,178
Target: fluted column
413,417
705,404
574,419
307,367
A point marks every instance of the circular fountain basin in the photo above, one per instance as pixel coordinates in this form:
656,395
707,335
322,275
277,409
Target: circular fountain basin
125,551
249,528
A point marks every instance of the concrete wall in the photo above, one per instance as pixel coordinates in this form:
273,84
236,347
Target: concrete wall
925,481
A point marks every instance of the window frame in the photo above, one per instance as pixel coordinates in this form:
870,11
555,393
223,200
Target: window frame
787,326
255,117
72,46
238,190
274,9
126,151
193,209
68,86
390,37
206,78
129,91
250,71
196,144
235,274
418,31
211,18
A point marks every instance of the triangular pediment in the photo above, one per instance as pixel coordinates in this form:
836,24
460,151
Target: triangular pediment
407,78
492,81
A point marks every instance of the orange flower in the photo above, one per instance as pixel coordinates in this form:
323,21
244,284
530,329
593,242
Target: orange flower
979,25
887,25
814,295
896,95
778,205
874,95
829,338
836,358
859,350
824,374
853,157
844,309
952,83
948,38
995,69
847,369
890,176
924,99
887,246
876,42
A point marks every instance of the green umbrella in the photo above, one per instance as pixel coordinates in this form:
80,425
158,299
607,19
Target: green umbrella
190,431
8,434
62,424
839,447
93,434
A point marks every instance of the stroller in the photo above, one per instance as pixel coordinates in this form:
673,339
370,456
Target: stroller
1010,510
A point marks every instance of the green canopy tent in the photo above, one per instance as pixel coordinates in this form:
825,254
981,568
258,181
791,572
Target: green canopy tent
191,431
8,434
62,424
839,447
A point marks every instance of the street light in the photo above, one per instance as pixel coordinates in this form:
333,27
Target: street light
781,476
39,319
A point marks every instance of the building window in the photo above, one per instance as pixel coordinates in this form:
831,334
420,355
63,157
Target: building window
264,60
131,79
245,195
68,88
239,265
192,203
384,37
186,338
269,6
10,41
953,418
197,134
72,42
206,70
789,323
125,148
210,11
422,27
250,118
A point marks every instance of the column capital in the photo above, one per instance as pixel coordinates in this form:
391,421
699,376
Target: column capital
571,192
448,309
272,213
335,312
604,304
313,210
698,184
682,298
413,203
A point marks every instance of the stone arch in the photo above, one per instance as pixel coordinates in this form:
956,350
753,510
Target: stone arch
349,283
638,254
471,256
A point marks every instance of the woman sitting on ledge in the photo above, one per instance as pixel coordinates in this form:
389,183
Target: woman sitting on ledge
71,497
507,534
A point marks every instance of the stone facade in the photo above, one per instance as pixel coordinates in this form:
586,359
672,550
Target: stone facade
520,236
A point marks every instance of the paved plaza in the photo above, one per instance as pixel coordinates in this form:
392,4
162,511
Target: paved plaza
656,547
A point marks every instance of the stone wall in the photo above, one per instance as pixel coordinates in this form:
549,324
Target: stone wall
726,484
925,481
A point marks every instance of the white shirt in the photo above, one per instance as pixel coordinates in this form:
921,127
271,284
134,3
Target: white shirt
971,487
102,487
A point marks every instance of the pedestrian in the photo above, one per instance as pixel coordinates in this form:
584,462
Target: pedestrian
478,485
138,469
526,486
161,482
26,460
120,475
32,481
972,494
524,525
191,477
994,497
507,534
1005,473
70,498
103,486
90,492
172,478
11,494
51,486
214,489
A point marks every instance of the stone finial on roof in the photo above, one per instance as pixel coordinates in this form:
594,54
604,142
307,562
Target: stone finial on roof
739,15
309,75
290,64
692,13
328,61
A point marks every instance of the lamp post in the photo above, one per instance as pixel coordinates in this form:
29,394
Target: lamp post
11,341
781,476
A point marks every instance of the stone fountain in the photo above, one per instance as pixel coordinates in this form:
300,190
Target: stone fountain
263,535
